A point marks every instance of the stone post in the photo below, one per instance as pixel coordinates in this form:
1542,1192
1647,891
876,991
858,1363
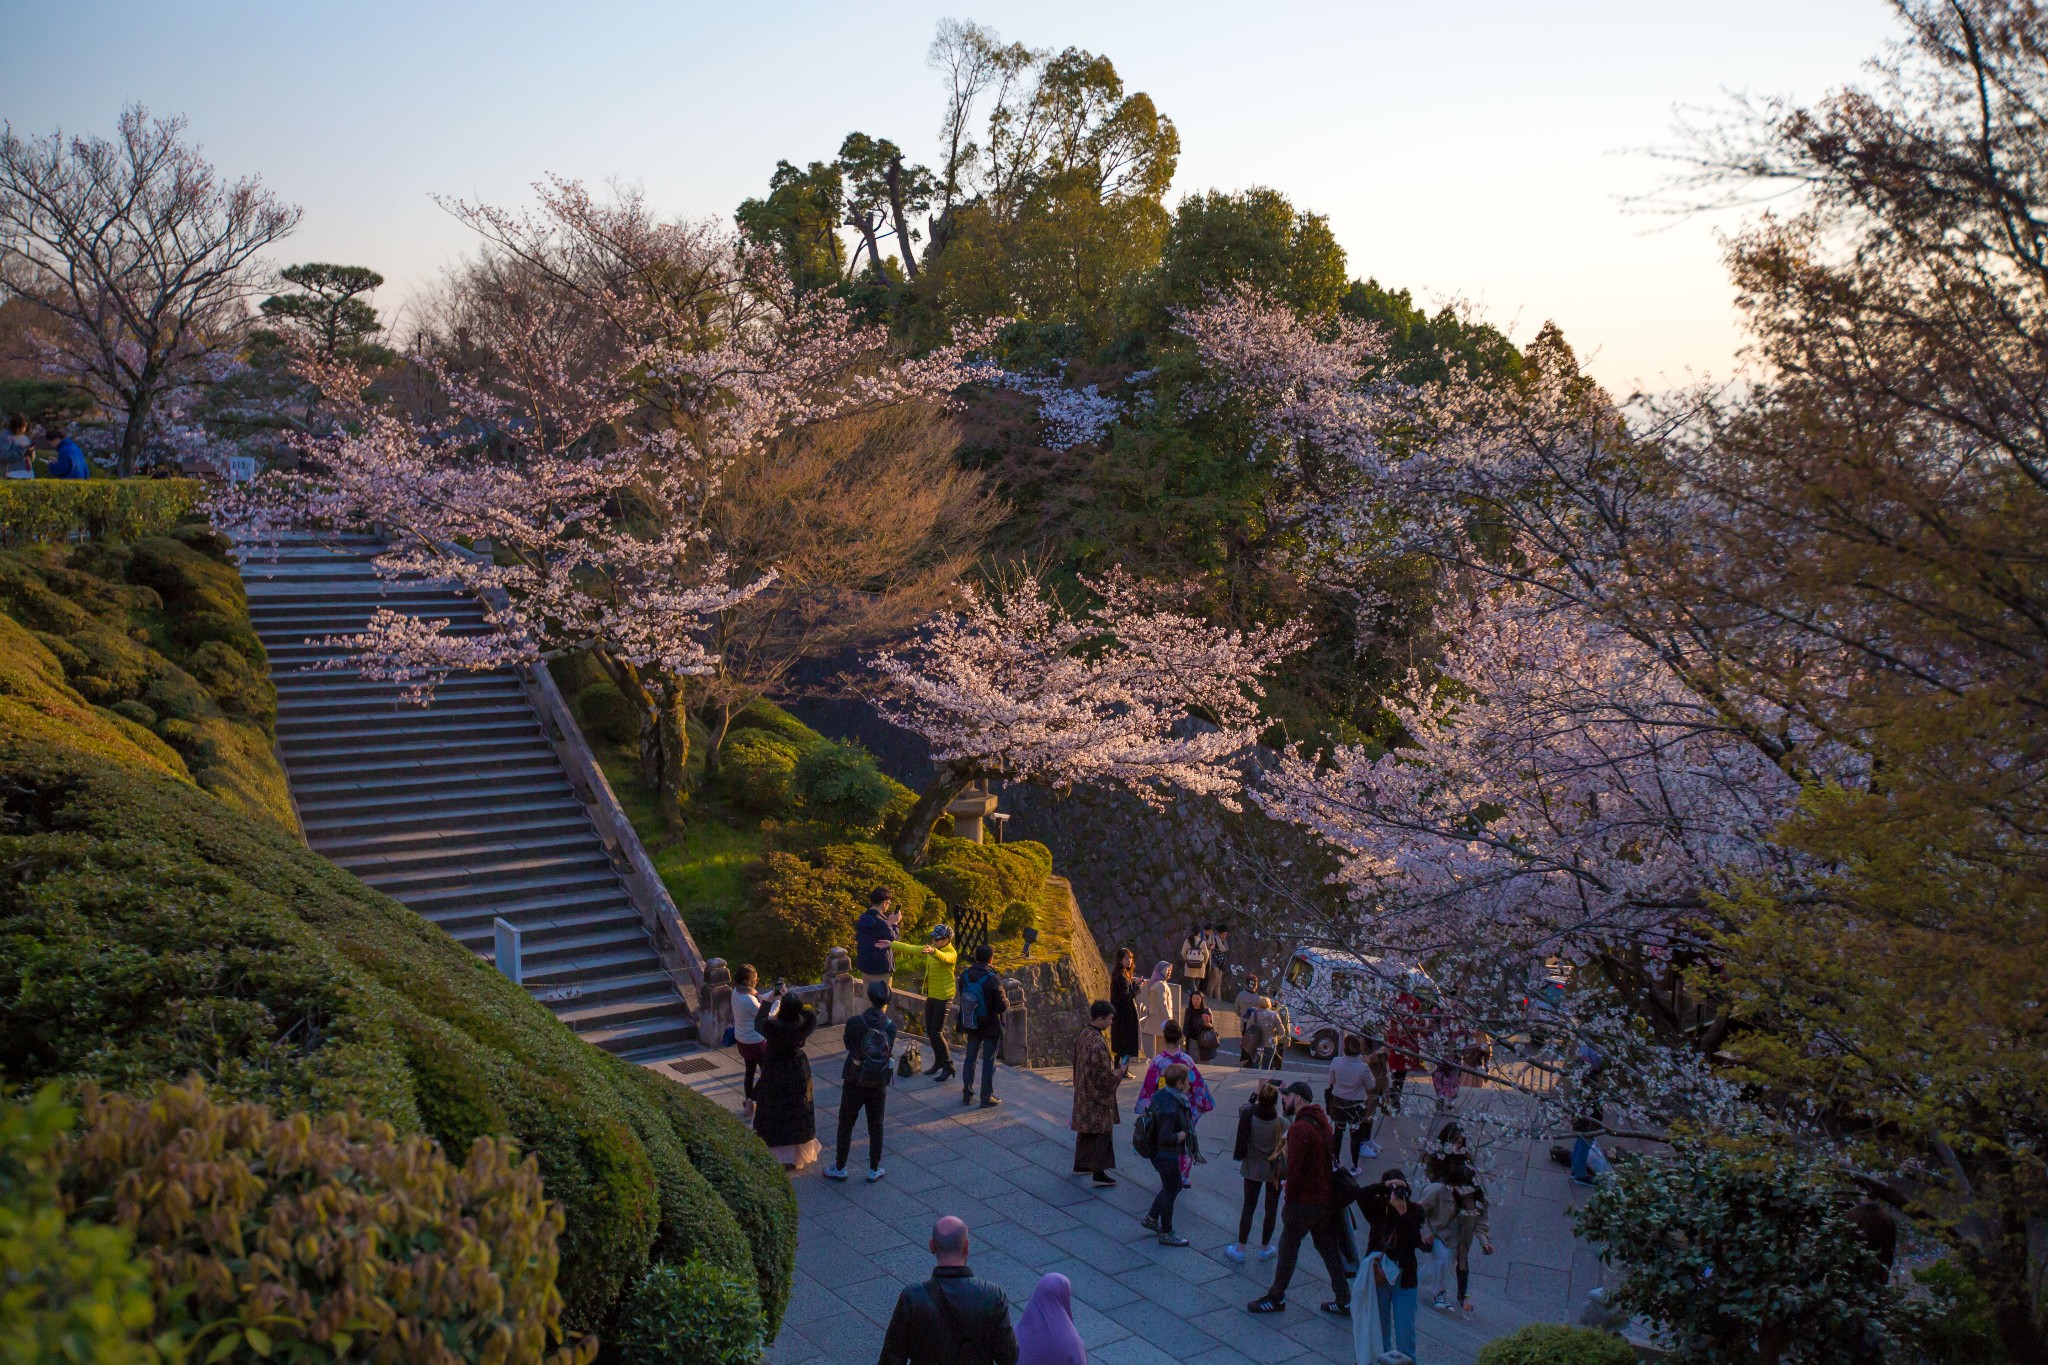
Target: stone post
715,1015
1016,1025
843,992
969,809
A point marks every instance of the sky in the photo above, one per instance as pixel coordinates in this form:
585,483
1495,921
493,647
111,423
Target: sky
1465,149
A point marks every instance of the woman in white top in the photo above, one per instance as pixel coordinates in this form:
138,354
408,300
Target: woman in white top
1156,1005
1350,1100
746,1008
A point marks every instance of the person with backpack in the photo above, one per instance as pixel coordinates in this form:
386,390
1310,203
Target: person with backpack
1310,1210
940,984
952,1318
864,1085
1199,1101
1167,1135
981,1005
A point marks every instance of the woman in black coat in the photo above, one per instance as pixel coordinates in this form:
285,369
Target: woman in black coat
1123,999
784,1114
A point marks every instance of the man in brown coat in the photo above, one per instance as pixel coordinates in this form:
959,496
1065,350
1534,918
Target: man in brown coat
1096,1078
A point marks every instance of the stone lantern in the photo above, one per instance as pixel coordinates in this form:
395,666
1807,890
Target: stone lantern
971,809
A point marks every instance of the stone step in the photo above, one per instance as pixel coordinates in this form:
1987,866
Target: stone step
437,904
418,736
399,722
488,811
590,955
518,869
321,792
461,851
620,925
655,998
644,1035
591,966
558,915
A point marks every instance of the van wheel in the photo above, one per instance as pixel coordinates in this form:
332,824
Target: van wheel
1323,1046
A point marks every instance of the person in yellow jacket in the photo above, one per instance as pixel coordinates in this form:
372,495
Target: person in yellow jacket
940,957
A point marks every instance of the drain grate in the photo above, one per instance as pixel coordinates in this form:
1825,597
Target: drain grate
689,1066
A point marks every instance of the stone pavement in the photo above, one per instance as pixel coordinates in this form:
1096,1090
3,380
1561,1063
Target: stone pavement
1007,1171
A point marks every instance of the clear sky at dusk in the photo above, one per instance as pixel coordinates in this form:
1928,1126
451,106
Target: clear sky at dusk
1479,150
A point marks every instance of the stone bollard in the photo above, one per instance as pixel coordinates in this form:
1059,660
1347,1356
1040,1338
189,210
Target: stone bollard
844,994
1016,1025
714,1013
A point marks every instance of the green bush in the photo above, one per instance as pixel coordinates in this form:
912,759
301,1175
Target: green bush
808,904
692,1314
839,785
756,771
607,716
253,1225
69,1290
53,510
1547,1343
986,877
148,930
769,718
1017,916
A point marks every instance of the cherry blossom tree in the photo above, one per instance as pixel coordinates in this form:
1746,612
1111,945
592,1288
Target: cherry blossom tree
611,372
1138,693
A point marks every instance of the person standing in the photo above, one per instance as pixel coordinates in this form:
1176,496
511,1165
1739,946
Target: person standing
752,1047
1155,1006
1269,1030
1123,999
864,1083
1350,1100
1454,1211
1097,1078
16,448
981,1017
1219,950
952,1318
1261,1156
940,959
1195,955
1199,1101
1397,1238
1198,1027
1046,1334
1173,1133
785,1112
1309,1209
874,934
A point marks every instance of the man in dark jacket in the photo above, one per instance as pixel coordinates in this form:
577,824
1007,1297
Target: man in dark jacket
864,1083
952,1318
69,461
987,1034
874,938
1309,1209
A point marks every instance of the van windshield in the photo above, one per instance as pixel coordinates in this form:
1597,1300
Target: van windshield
1300,974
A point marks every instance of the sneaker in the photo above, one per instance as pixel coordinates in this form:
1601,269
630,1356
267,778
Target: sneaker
1440,1303
1268,1252
1336,1308
990,1101
876,1174
1169,1239
1369,1149
1268,1304
1235,1253
1105,1179
833,1173
1149,1222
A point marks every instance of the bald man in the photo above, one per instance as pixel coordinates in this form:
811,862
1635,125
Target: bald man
952,1318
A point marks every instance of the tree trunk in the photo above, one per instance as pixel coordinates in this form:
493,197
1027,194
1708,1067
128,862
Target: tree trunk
673,730
717,718
902,224
132,432
917,826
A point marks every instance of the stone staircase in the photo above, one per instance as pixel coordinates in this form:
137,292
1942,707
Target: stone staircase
461,810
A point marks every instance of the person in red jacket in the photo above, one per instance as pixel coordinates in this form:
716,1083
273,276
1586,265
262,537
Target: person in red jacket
1310,1206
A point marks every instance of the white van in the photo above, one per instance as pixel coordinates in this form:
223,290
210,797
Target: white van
1322,990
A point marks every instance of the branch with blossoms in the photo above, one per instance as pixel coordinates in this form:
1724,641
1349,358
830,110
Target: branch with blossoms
613,367
1138,693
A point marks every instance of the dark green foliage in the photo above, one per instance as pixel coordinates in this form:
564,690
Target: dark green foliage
43,401
808,904
987,877
1955,1326
756,772
839,785
148,930
690,1314
329,315
1741,1254
762,715
1426,349
53,510
607,716
1548,1343
1255,238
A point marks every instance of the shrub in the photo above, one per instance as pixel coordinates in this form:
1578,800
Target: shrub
254,1225
1547,1343
97,509
839,785
808,904
692,1314
771,719
986,877
68,1290
1017,916
607,716
755,770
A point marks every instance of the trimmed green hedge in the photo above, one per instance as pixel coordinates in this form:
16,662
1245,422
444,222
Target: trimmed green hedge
33,510
147,930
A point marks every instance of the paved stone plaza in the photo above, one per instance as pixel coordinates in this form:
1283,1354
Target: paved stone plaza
1007,1171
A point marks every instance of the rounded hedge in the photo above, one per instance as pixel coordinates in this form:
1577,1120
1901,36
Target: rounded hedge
608,716
690,1314
839,785
756,771
1549,1343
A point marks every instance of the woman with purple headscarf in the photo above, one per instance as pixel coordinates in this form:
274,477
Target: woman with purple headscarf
1046,1334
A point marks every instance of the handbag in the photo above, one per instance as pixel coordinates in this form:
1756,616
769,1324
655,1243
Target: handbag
910,1063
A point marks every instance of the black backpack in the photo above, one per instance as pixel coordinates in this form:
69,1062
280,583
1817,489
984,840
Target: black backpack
1145,1136
877,1055
972,1006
